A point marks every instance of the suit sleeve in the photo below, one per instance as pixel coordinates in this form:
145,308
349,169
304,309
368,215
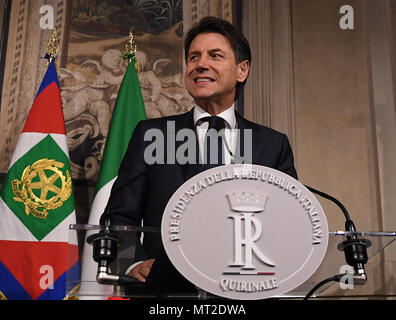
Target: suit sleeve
286,159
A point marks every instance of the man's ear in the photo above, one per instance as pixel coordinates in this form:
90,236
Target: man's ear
243,70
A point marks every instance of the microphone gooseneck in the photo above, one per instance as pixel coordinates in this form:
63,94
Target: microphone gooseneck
355,249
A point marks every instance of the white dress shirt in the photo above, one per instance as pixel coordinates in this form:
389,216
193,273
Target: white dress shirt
229,131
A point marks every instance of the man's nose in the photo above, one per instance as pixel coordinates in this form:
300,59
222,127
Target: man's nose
203,63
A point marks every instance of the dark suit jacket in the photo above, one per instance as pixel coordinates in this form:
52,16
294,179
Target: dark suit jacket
141,191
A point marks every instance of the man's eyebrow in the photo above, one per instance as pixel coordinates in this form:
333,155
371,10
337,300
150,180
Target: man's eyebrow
216,50
194,53
198,52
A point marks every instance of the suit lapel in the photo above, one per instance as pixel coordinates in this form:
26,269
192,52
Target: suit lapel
186,121
243,125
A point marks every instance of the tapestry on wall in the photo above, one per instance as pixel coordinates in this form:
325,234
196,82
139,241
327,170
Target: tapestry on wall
90,67
95,69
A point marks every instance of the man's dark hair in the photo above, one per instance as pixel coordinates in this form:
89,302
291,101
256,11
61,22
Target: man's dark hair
240,45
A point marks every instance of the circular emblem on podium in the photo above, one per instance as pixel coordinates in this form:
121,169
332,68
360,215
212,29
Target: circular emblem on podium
244,232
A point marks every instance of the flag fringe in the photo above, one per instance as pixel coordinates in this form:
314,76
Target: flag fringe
71,296
2,296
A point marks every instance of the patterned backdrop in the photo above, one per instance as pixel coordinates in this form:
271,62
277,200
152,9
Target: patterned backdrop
91,68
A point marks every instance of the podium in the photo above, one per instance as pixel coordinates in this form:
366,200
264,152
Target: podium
243,232
85,285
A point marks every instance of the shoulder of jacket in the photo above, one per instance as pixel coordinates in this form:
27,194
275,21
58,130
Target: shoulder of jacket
259,128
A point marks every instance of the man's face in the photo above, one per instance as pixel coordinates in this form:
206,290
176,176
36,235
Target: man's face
212,71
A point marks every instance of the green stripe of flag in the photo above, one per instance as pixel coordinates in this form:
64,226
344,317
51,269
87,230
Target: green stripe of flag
40,186
128,111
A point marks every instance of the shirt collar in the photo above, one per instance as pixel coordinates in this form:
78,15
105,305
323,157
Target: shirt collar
228,115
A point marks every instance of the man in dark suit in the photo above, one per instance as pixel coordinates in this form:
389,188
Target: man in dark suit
218,62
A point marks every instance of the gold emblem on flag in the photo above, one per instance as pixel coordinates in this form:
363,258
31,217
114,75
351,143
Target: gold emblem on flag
51,186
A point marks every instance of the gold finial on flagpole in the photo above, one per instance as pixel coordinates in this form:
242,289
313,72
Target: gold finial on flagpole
129,52
53,46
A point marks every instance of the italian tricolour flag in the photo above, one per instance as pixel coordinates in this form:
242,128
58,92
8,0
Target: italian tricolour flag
128,111
37,252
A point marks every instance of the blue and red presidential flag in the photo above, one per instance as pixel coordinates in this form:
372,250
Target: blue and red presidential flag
37,254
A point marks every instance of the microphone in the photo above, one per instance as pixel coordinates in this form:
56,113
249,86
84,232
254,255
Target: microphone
105,243
355,249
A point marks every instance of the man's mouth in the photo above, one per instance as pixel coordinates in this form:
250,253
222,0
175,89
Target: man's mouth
203,79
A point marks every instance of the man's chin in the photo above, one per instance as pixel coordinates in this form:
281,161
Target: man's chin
203,100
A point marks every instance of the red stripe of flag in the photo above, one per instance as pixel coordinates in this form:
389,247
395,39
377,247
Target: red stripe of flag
25,259
46,114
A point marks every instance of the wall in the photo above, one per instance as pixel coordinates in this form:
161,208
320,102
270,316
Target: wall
342,108
335,126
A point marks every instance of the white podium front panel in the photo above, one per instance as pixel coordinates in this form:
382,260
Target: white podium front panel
245,232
